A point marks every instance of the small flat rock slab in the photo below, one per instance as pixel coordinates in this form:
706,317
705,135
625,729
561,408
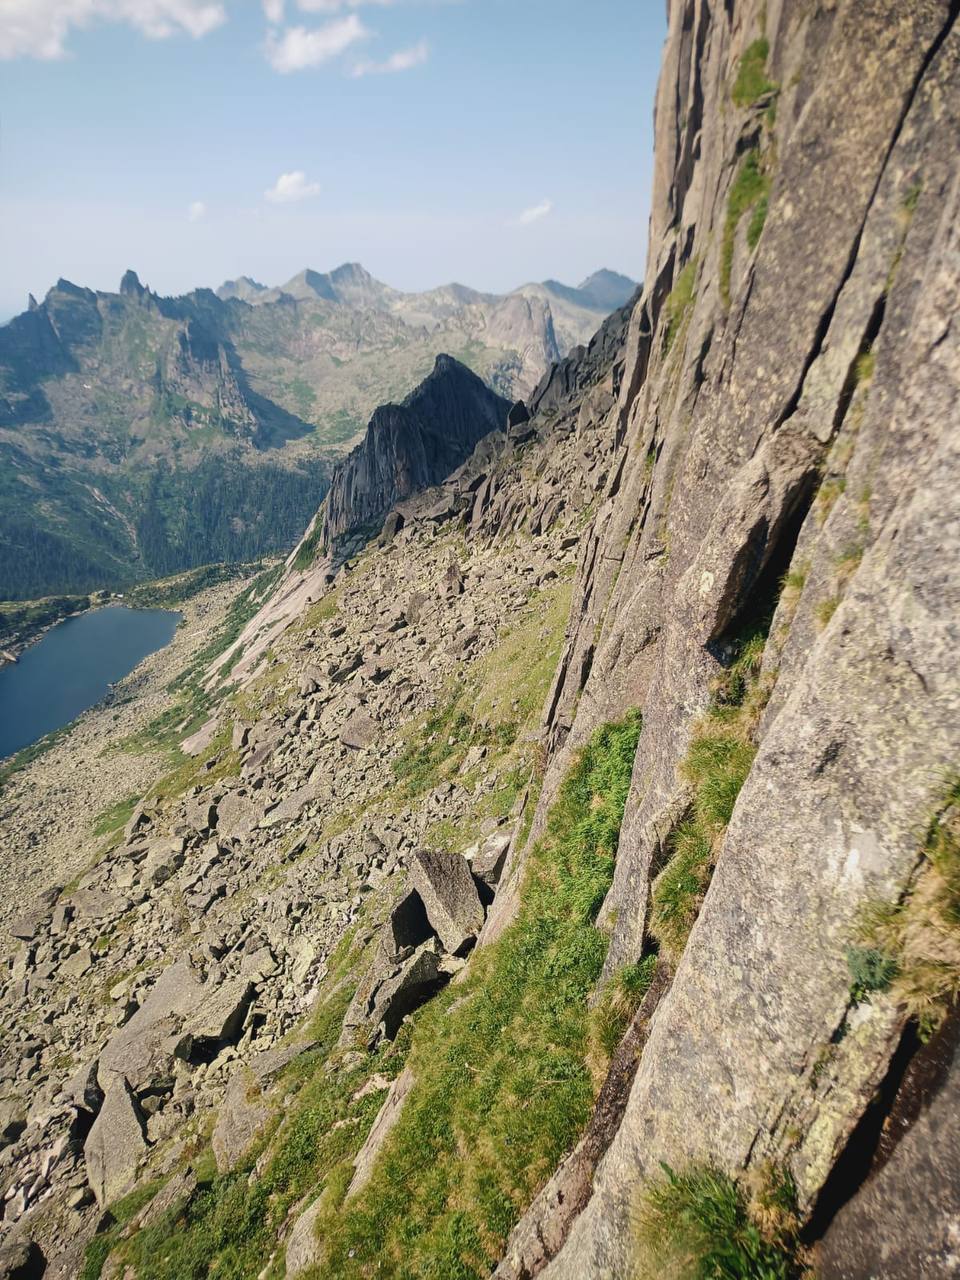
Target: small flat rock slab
200,740
387,1117
303,1247
445,884
173,1193
115,1145
240,1118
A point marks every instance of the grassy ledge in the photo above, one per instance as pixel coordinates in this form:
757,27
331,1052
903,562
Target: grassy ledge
751,83
718,761
503,1089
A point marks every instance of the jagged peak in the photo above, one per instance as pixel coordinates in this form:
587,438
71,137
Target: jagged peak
130,286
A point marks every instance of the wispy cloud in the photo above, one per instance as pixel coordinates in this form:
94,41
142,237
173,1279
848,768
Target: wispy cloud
335,6
273,9
290,187
297,48
402,60
40,28
196,211
535,213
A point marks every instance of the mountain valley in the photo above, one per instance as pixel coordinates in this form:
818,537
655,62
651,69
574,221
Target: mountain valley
140,436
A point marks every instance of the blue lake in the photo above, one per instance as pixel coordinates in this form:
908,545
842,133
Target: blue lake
72,667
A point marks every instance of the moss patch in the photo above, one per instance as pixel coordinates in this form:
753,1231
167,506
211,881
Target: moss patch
679,302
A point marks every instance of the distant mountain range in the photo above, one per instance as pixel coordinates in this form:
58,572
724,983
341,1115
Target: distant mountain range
140,435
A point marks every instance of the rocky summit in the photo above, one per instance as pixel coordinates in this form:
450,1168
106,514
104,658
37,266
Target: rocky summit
553,867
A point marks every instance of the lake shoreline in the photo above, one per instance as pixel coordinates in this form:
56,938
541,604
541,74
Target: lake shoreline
50,806
76,666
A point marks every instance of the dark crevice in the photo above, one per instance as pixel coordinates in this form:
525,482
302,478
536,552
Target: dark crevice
858,1159
827,317
757,573
850,382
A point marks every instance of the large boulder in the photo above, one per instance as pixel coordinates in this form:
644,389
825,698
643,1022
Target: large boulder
360,730
115,1145
453,906
21,1260
141,1051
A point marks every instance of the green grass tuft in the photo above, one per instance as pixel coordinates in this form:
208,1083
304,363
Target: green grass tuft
697,1225
751,83
870,970
912,947
614,1011
750,190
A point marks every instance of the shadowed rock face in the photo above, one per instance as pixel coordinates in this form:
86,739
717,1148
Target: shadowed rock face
413,445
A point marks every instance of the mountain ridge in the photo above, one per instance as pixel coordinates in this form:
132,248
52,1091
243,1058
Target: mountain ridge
114,405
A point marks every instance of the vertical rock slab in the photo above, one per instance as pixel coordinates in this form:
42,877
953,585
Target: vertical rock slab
448,892
115,1145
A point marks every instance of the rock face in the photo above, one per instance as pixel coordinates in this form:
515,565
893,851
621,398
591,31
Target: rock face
411,446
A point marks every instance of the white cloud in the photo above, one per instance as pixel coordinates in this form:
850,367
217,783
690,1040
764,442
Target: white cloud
39,28
290,187
535,213
402,60
334,6
298,48
196,211
273,10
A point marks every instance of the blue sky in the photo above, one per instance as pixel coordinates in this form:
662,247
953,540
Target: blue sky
486,141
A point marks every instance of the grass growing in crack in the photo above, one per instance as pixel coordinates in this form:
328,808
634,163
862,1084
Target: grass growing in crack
911,948
614,1011
825,610
828,495
718,761
699,1225
750,187
679,302
502,1083
751,83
